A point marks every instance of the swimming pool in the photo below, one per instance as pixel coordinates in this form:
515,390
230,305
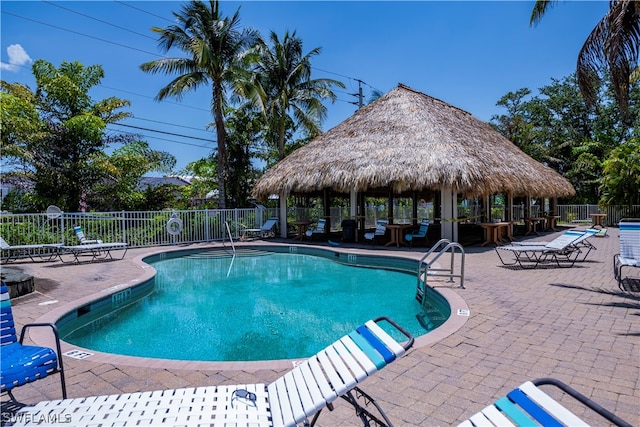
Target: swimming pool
280,303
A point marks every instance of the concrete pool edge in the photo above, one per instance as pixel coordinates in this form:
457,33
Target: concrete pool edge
41,337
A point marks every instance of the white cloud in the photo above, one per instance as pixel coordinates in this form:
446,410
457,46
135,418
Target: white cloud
17,57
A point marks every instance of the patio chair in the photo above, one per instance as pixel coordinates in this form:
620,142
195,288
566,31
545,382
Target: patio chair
581,242
381,229
267,230
421,233
9,253
83,239
296,397
528,402
560,251
629,255
97,251
22,364
319,229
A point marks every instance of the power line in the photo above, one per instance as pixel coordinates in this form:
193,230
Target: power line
99,20
157,138
143,11
162,132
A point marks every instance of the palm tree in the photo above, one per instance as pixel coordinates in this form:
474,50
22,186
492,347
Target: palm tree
217,53
283,90
614,43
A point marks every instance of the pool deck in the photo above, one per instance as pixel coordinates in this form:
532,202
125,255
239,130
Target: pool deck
573,324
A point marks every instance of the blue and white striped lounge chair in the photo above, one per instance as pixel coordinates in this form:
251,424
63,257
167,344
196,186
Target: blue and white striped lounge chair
381,229
581,242
421,233
528,405
83,239
629,255
318,230
296,398
560,251
22,364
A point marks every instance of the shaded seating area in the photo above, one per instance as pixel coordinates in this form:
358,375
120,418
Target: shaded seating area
267,230
22,364
629,255
297,397
44,252
529,405
381,229
560,252
420,234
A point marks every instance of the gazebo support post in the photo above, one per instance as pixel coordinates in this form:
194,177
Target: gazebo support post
390,205
326,206
414,205
353,207
449,224
283,215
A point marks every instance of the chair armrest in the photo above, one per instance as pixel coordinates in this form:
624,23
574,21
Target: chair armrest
56,335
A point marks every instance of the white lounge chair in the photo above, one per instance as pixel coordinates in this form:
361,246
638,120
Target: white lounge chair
45,252
96,251
267,230
560,251
528,402
297,397
381,229
581,242
629,255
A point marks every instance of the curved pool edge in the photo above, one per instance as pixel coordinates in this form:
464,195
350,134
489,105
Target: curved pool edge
41,336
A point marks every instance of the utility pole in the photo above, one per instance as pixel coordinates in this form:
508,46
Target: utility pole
360,102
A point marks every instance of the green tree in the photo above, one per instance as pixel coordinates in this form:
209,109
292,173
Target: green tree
52,135
120,187
282,88
217,53
621,175
613,44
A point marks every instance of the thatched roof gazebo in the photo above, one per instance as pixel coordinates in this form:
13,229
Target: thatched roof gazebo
405,142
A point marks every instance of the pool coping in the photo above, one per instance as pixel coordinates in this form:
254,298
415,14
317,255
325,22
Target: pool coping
40,336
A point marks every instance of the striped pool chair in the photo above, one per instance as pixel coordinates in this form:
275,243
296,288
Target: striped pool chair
528,405
296,398
629,255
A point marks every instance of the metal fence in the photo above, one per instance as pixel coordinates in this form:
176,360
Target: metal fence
150,228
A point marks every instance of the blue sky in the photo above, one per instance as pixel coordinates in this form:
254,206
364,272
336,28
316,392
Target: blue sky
468,54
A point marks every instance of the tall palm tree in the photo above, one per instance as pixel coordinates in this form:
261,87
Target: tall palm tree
614,43
217,52
282,88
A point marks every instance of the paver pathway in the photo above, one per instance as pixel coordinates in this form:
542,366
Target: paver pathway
573,324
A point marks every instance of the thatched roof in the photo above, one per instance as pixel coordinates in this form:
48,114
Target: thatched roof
409,141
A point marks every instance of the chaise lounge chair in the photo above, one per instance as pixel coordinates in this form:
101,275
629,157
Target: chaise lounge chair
421,233
629,255
581,242
290,400
22,364
561,251
97,251
318,230
528,402
45,252
381,229
267,230
83,239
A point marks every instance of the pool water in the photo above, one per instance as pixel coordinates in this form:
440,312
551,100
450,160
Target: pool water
214,307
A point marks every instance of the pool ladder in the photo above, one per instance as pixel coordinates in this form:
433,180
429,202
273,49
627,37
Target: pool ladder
427,266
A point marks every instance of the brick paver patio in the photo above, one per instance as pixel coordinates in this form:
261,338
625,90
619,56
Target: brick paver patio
573,324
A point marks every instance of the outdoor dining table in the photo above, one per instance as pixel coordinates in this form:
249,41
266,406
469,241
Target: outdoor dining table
551,221
302,227
396,234
495,231
532,224
597,219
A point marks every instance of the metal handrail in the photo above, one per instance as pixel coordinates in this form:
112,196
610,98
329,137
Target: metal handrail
226,223
426,268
